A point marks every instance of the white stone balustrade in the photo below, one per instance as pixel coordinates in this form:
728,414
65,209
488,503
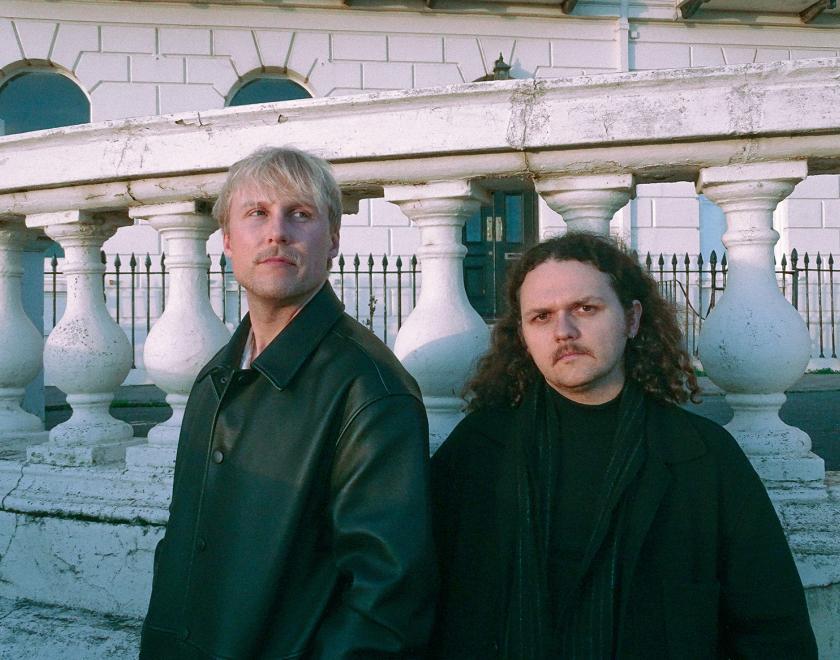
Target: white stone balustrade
587,203
87,353
443,336
754,344
21,345
586,142
188,333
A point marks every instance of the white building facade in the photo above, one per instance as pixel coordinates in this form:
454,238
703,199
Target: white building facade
681,126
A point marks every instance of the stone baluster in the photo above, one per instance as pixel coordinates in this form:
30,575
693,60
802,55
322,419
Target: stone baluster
188,333
754,344
87,354
443,336
587,203
21,344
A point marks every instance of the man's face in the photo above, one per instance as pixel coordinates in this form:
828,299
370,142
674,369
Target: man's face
576,330
279,246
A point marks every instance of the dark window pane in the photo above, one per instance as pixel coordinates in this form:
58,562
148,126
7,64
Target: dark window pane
513,218
35,100
266,90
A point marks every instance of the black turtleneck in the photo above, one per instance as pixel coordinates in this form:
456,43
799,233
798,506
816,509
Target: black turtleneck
587,434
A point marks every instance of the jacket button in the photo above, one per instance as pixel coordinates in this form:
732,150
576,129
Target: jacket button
184,634
223,380
218,456
201,544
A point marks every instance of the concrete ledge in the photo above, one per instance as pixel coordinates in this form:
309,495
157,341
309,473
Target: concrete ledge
103,493
41,632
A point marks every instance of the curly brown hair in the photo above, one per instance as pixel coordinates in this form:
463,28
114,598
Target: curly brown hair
654,358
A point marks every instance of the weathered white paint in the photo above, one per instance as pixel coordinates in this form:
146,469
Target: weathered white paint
87,352
755,345
188,333
443,336
697,118
21,345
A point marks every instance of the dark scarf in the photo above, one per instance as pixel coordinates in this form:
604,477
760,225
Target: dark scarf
531,628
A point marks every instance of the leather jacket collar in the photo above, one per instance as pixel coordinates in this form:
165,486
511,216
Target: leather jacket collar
287,352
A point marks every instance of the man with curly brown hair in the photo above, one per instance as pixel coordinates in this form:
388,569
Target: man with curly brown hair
579,511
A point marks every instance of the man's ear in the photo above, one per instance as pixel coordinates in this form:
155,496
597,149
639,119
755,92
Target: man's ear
634,319
226,243
335,238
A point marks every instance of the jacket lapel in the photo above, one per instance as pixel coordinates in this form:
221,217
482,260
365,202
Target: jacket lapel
222,365
287,352
669,440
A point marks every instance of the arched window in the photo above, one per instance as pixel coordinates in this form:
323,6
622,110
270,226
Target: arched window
267,89
34,100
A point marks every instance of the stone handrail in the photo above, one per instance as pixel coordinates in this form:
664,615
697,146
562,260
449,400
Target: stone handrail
744,134
657,125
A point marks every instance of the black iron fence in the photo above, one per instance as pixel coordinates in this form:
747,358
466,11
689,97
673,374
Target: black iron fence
808,283
381,291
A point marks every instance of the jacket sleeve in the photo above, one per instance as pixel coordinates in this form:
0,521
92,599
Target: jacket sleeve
763,603
382,538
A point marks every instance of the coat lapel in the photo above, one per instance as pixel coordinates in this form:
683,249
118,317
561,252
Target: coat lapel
668,441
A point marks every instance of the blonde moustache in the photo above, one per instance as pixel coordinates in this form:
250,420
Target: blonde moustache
270,253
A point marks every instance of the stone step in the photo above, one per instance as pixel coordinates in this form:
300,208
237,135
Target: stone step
34,631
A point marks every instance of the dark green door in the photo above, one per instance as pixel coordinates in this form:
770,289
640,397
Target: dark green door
495,238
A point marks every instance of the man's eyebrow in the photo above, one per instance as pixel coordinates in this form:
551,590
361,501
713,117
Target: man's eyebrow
585,300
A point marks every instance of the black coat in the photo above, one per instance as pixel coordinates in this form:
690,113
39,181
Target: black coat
706,569
299,523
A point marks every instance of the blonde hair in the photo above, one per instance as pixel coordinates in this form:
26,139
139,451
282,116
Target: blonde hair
283,168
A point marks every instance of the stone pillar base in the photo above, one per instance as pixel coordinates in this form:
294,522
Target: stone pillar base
792,477
150,457
80,456
14,443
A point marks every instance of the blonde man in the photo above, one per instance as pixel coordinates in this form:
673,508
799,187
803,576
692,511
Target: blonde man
299,518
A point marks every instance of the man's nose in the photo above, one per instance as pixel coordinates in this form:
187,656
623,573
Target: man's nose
565,327
278,227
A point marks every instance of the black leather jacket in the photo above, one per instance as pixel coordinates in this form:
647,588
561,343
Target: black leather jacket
299,523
